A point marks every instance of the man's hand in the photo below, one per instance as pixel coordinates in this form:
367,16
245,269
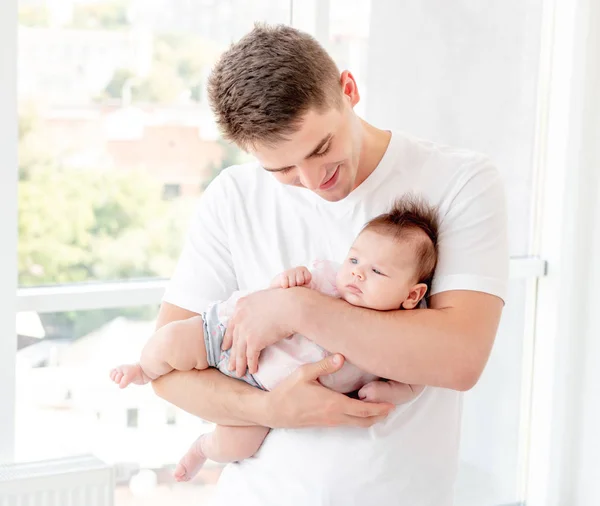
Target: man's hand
301,401
298,276
260,319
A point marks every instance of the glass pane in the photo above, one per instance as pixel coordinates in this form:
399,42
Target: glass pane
66,404
116,137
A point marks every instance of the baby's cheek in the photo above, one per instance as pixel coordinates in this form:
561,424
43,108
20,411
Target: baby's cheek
340,280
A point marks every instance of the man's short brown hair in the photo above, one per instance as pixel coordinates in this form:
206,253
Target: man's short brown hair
412,218
260,88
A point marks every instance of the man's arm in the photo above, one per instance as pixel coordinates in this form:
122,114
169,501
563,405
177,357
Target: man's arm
299,401
446,345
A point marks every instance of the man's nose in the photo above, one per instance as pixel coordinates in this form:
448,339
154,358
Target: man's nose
311,177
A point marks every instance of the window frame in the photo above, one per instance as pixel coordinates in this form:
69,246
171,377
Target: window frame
8,224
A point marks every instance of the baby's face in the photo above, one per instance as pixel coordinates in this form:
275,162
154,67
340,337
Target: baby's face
379,272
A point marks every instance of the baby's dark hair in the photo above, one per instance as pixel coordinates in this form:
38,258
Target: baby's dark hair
409,217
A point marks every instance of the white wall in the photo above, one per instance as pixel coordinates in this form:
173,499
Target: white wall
465,73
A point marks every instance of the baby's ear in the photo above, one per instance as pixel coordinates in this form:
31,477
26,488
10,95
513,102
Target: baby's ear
415,295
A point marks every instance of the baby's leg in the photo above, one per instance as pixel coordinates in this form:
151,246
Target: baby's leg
225,444
178,345
389,391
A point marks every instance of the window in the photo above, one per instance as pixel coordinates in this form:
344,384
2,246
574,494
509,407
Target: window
116,132
66,404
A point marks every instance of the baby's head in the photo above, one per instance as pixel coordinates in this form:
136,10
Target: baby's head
392,261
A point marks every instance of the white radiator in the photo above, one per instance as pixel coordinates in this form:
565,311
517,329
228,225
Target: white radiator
72,481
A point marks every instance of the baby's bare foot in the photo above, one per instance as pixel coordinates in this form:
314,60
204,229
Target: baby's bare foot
191,462
123,375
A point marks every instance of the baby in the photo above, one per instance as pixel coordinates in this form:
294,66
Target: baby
389,266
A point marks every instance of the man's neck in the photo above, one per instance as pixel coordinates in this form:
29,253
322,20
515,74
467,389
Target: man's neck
374,144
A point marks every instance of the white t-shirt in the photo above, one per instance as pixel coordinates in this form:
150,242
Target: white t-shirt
249,227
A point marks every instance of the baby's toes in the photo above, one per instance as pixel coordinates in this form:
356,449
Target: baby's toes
180,473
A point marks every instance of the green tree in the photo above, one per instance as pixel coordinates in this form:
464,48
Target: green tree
179,65
33,15
114,88
78,225
232,155
101,15
85,225
163,85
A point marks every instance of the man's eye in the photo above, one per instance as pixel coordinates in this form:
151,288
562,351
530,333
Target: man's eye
285,171
325,151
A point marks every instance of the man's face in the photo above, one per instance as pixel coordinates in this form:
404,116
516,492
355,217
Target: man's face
321,156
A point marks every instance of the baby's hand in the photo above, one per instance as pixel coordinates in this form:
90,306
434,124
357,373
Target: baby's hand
298,276
125,374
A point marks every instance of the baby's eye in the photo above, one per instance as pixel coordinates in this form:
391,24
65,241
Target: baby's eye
378,272
353,261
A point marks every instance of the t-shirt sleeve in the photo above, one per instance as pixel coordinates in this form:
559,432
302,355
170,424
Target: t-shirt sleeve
205,272
472,241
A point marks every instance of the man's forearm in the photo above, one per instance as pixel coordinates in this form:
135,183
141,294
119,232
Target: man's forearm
213,396
438,347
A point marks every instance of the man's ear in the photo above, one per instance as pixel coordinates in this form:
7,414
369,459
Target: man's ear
415,295
349,87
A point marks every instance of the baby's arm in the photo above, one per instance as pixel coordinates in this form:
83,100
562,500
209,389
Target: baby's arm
389,391
298,276
178,345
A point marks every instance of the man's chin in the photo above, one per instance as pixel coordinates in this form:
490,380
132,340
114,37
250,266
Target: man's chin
331,198
334,195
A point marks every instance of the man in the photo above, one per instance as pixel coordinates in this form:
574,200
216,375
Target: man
322,173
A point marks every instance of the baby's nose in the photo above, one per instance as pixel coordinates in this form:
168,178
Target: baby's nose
358,274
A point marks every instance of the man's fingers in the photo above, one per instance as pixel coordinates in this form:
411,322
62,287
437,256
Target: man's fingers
362,409
231,364
232,351
240,358
328,365
252,361
228,337
354,421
